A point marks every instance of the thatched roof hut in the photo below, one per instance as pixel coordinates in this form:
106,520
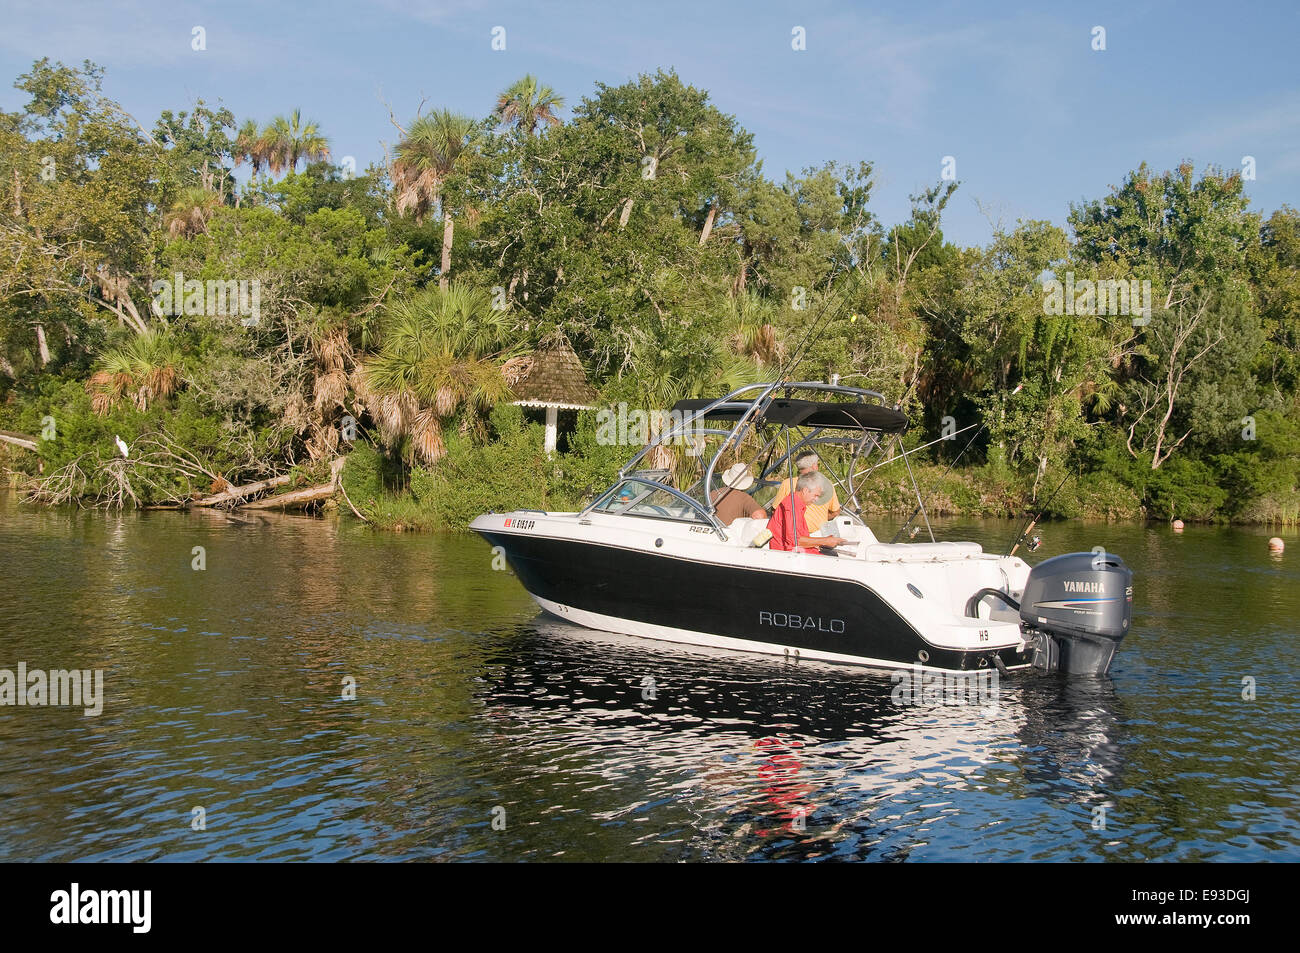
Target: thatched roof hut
554,379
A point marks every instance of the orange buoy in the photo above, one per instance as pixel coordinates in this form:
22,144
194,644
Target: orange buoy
1178,526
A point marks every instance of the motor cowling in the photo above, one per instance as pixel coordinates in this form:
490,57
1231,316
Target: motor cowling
1080,604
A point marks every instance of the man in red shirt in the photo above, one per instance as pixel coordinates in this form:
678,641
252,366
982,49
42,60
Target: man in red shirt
791,533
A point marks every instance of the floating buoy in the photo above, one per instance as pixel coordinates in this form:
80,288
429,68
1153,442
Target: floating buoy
1275,545
1178,526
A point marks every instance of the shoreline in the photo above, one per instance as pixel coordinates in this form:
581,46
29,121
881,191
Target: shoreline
400,513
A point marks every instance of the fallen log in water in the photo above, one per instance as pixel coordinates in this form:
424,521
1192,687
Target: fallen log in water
293,498
239,492
18,439
311,494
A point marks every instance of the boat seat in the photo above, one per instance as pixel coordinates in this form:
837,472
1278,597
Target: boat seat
844,527
742,530
925,552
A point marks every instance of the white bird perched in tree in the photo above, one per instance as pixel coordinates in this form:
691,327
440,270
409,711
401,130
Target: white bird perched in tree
121,445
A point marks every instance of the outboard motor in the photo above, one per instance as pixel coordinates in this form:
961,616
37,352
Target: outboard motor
1080,605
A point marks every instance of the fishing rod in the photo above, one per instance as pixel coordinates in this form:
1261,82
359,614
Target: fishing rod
920,506
832,297
908,453
1034,543
791,365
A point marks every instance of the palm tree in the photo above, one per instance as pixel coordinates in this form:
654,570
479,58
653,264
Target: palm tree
524,104
250,146
435,146
146,368
751,330
288,140
190,213
444,356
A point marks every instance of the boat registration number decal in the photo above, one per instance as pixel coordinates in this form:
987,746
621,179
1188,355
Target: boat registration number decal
520,524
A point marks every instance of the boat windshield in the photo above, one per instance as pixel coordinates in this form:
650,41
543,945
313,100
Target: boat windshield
645,498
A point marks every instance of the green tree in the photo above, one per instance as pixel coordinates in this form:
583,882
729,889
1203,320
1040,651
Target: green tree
606,227
198,150
190,212
1193,240
145,368
1182,233
281,385
1192,377
1275,286
1014,340
251,146
78,194
800,233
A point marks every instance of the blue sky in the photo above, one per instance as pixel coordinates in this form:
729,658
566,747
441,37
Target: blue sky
1034,117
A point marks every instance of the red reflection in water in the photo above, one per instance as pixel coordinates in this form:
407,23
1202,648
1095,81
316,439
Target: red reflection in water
778,773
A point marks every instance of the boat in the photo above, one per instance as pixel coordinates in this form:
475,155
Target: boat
649,557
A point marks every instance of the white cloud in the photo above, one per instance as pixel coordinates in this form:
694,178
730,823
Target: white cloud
1269,125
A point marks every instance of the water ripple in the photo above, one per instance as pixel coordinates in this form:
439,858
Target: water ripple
481,731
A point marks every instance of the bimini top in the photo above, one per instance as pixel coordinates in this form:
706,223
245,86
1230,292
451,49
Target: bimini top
792,412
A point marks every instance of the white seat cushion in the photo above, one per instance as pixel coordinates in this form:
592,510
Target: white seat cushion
743,529
846,528
910,552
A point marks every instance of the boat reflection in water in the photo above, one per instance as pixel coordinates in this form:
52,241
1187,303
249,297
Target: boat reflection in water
732,756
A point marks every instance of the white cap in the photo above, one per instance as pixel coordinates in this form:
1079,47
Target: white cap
737,477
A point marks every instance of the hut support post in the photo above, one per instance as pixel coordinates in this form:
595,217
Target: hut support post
552,427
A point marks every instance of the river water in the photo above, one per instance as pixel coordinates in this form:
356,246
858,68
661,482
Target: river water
483,731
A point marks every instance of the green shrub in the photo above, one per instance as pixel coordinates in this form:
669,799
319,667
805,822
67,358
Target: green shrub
363,475
512,473
509,472
1099,495
1186,489
506,419
588,468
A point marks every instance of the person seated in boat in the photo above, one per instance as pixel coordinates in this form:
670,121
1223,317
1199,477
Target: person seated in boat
821,509
731,502
789,522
